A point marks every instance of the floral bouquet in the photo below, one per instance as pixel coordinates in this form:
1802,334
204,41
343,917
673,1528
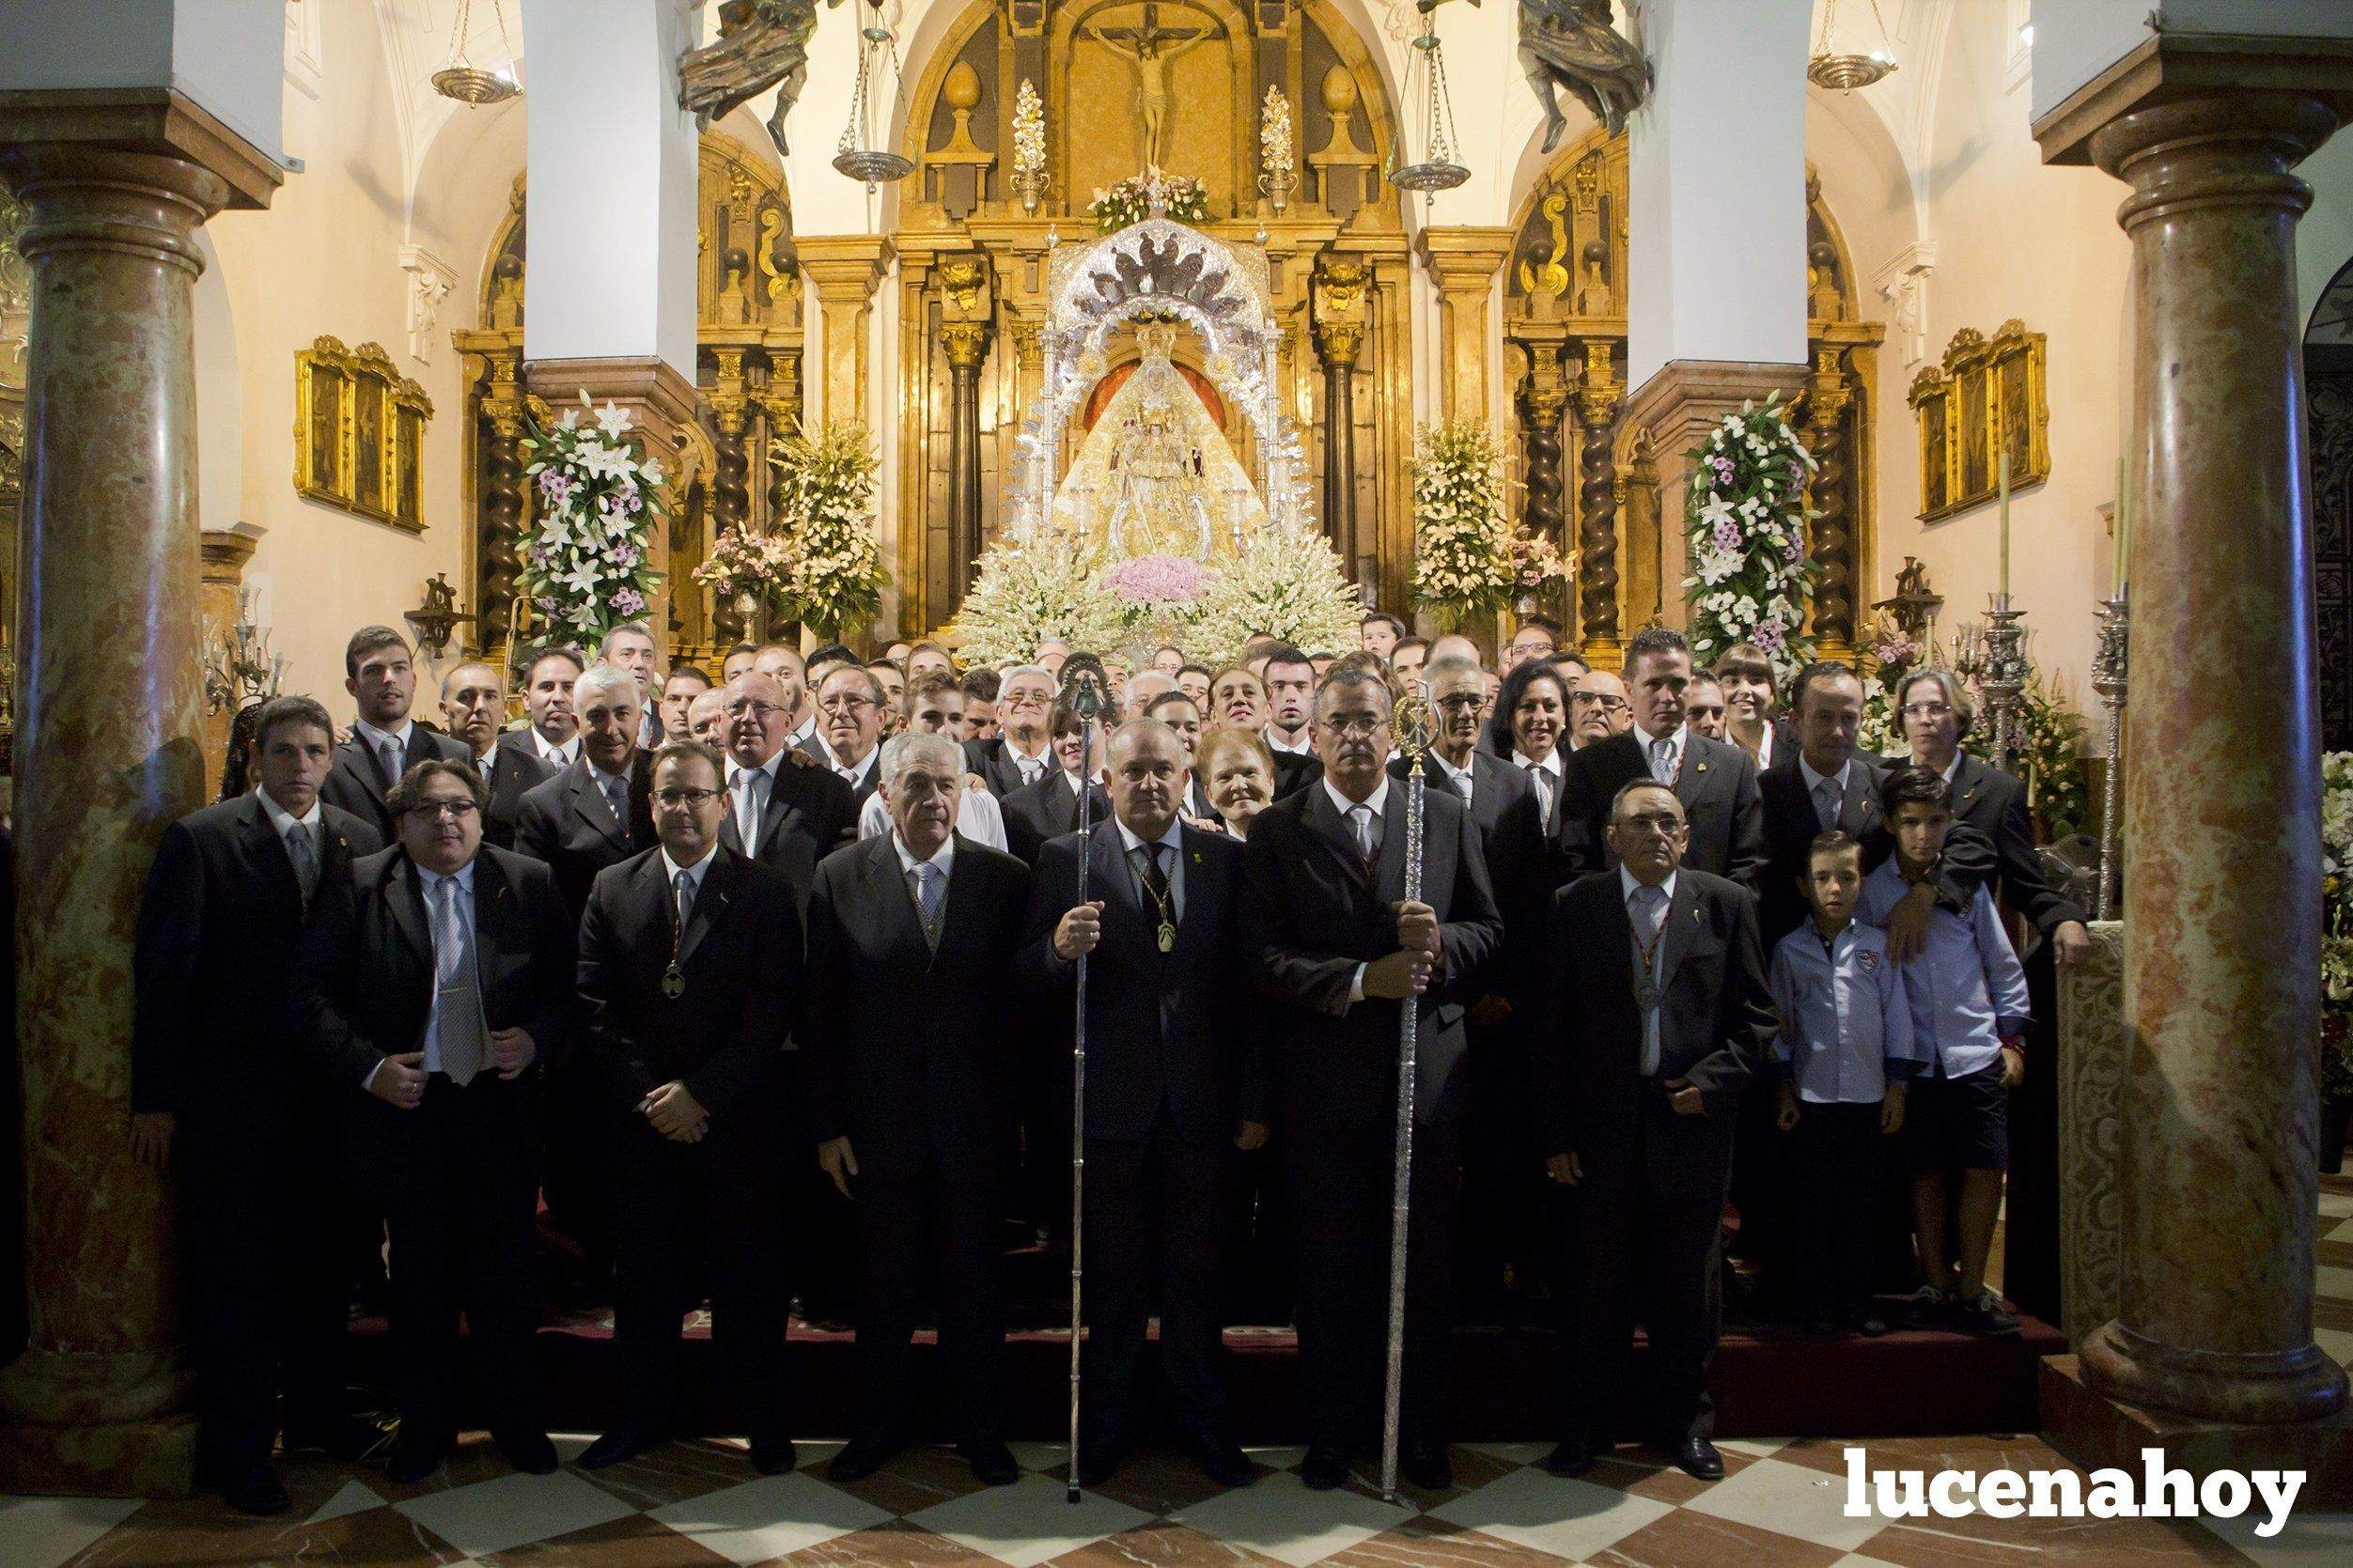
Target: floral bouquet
586,567
743,563
1892,656
1464,561
1745,518
1287,583
2336,929
1129,201
835,579
1031,590
1155,596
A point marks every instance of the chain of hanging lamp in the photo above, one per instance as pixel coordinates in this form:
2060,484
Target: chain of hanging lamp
858,157
1846,72
1437,169
460,78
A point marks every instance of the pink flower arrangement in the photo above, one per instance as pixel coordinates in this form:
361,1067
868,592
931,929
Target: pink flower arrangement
1159,580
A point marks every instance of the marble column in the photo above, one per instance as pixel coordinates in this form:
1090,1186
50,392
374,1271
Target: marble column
2221,964
1338,344
1828,398
1462,261
844,269
498,558
966,345
1601,639
110,717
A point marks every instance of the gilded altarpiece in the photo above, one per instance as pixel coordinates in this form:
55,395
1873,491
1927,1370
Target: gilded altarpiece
972,260
1587,478
748,310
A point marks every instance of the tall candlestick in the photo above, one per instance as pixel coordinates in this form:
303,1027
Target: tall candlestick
2006,528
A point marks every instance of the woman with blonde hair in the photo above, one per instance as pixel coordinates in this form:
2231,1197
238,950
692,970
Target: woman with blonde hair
1237,772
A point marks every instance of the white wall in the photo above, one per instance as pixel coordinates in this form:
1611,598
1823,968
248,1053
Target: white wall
224,54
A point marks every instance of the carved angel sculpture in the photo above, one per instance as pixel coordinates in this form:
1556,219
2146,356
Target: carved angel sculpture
762,43
1571,43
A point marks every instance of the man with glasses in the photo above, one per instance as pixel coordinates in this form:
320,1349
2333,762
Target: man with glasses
935,706
1021,751
429,986
781,815
849,715
1651,1013
1339,950
1597,708
1536,638
689,972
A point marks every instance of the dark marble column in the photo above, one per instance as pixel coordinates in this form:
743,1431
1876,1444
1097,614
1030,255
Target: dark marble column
109,719
1542,401
2221,963
966,344
1339,343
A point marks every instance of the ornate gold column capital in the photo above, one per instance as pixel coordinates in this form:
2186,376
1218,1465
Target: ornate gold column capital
1028,341
1339,343
966,344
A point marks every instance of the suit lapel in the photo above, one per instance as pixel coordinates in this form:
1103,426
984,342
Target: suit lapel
894,901
493,902
1107,860
1325,827
711,901
1204,896
1967,779
1675,936
268,850
404,890
360,761
1859,812
587,797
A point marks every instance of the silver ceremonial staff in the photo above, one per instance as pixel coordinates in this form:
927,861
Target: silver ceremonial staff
1409,730
1086,690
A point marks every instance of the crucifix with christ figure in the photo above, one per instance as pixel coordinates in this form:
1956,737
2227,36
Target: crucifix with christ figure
1153,49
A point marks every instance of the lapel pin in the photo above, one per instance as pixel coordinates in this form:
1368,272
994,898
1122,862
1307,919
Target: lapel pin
1701,766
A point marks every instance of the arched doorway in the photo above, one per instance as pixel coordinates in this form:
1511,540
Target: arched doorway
2328,394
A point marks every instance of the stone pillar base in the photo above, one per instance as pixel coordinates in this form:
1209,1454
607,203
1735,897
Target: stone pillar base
2279,1387
2098,1431
151,1458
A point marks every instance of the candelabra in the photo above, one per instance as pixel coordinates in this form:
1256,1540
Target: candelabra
2004,678
238,667
2109,660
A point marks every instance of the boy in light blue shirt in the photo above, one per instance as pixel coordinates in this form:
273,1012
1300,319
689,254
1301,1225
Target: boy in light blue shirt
1845,1052
1969,1017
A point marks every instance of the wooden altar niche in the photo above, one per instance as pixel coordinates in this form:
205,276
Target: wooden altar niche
1587,480
748,346
971,271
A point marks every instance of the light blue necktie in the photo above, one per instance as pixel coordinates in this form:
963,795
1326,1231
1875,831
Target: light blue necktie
928,893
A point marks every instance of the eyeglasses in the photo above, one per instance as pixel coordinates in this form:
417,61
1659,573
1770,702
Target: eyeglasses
1461,701
744,705
1928,710
1357,723
1607,704
676,798
459,809
1660,826
845,704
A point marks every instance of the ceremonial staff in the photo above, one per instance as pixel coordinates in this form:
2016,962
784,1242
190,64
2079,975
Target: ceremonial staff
1410,729
1085,688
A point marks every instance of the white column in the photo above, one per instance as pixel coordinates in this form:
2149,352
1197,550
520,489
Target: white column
1716,187
611,181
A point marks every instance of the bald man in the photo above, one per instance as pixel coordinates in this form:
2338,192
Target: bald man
474,705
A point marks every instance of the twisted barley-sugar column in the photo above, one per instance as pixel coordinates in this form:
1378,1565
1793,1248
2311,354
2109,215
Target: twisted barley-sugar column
1540,409
501,518
1597,511
1827,398
2222,778
110,717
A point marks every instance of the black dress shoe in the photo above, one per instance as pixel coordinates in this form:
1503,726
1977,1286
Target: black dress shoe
773,1456
620,1444
347,1438
1697,1457
860,1458
258,1492
1423,1462
412,1462
1324,1469
1216,1456
529,1453
992,1462
1573,1456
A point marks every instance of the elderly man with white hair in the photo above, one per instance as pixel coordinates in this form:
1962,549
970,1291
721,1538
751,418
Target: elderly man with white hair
913,1062
1022,752
978,817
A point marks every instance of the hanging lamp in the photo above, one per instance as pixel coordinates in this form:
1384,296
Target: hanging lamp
1846,72
860,156
1430,105
460,78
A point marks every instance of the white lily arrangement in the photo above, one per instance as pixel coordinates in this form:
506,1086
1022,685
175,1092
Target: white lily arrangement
1746,519
587,566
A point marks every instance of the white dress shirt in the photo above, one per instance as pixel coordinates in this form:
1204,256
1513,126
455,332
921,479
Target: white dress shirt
1545,775
1460,776
854,774
1275,742
314,819
1171,865
695,874
559,757
374,738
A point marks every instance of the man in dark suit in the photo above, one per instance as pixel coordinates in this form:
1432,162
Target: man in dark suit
220,1082
1502,1202
1050,808
1338,948
849,715
781,812
1716,782
1238,698
1176,1082
385,742
428,986
1021,751
552,729
1290,686
913,1059
689,972
1641,1053
473,703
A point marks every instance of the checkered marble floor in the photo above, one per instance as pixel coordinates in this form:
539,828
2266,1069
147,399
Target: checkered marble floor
700,1506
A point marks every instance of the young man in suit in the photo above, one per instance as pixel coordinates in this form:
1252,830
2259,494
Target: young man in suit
1021,751
1176,1084
1290,686
1050,808
690,974
474,704
1640,1055
552,730
781,812
385,742
1716,782
1338,948
219,1085
427,988
911,1060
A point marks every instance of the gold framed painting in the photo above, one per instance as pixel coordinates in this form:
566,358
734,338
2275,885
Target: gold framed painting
1987,398
359,428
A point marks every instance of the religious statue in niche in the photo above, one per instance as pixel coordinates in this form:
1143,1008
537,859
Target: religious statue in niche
761,44
1570,44
1152,49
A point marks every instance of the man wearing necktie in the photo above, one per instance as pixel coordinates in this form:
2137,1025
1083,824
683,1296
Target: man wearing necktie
784,810
1650,1014
1021,751
690,979
473,703
911,1058
1176,1084
1338,950
385,741
221,1090
428,987
851,713
1716,782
